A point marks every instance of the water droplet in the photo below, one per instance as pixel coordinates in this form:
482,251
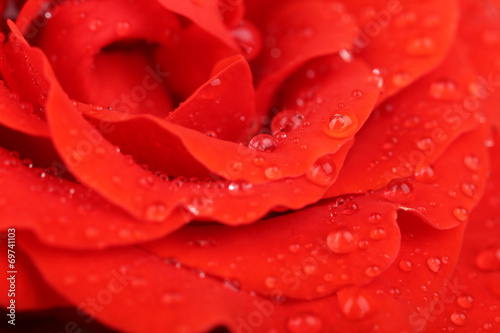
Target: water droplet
157,212
259,161
399,190
341,124
421,47
458,318
375,218
405,265
323,171
263,142
472,162
171,297
434,264
122,28
425,173
426,145
341,241
91,232
272,172
444,89
401,79
357,94
239,188
469,189
378,234
372,271
249,39
350,209
353,303
488,260
271,282
294,248
460,213
147,181
304,323
465,301
95,25
328,277
286,121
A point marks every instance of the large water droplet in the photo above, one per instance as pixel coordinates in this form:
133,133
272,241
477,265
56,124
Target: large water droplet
399,190
323,171
424,173
304,323
458,318
249,39
341,241
378,234
341,124
469,189
286,121
263,142
434,264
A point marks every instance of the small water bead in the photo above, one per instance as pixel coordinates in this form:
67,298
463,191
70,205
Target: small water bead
372,271
356,94
341,241
458,318
272,172
469,189
460,213
328,277
323,171
488,260
465,301
259,161
171,297
401,79
350,209
424,173
405,265
353,304
444,89
95,25
211,134
157,212
434,264
341,124
304,323
263,142
471,162
375,218
271,282
423,46
122,28
286,121
378,234
399,190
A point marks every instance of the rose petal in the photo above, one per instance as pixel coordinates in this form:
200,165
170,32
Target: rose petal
30,292
67,214
69,26
480,32
294,33
411,130
306,254
403,39
474,306
143,285
225,105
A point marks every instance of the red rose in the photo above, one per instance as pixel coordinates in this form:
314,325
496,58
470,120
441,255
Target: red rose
250,166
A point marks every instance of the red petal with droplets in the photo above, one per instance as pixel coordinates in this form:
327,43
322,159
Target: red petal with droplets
480,33
66,214
225,105
475,306
411,130
318,251
294,33
403,39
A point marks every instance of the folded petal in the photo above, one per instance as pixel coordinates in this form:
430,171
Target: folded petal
319,249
